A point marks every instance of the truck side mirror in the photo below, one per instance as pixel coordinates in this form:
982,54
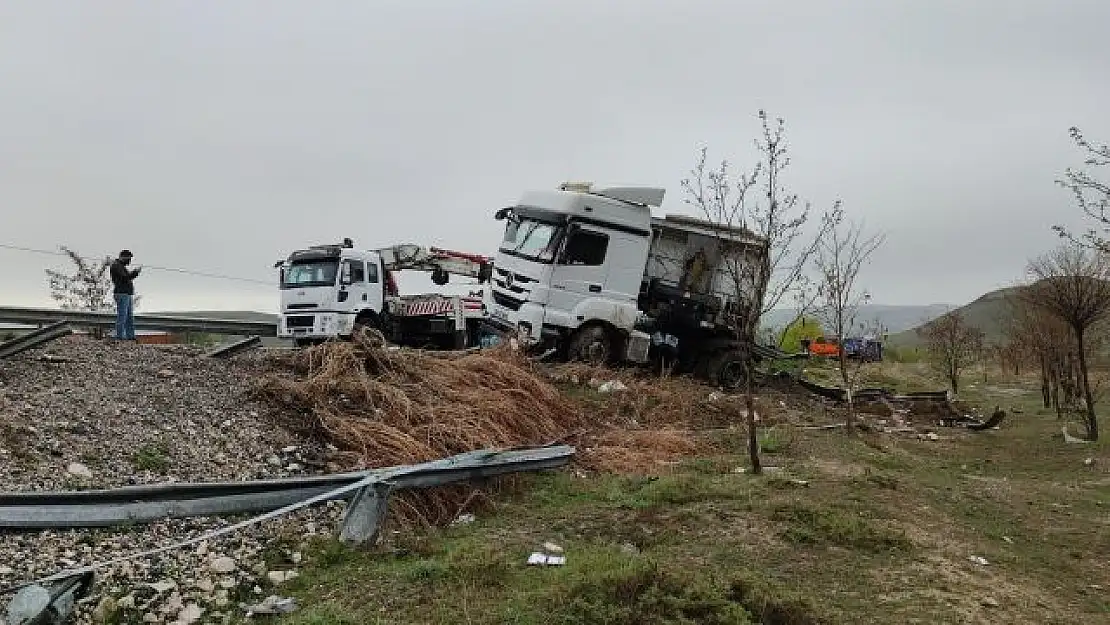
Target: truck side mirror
502,213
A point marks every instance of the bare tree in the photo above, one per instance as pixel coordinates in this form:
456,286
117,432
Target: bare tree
88,287
1072,283
1092,193
840,256
953,345
1047,341
758,202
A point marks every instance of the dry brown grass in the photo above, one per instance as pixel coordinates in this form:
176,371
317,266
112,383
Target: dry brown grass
384,407
402,407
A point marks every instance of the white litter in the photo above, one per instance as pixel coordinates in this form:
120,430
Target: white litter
612,386
980,560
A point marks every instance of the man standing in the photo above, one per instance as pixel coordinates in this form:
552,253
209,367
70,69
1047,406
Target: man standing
123,289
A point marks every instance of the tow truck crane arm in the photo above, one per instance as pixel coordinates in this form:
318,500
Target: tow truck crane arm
440,262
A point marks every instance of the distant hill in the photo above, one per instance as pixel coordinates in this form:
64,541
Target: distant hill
988,313
894,318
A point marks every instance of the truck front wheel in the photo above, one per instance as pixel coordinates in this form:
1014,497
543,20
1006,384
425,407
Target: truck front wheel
728,370
591,344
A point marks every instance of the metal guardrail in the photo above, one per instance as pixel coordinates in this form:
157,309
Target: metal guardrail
50,599
33,339
228,350
145,504
168,323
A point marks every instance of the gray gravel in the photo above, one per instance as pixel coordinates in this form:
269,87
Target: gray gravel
82,413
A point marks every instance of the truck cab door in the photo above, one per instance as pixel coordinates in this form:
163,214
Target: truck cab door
353,292
375,285
580,273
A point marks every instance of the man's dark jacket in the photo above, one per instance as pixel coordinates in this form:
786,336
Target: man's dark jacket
122,278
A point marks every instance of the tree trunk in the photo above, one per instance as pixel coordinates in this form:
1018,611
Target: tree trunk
843,357
749,404
954,377
1054,383
1092,420
1046,395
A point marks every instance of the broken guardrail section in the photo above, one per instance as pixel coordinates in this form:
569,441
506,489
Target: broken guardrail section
227,350
146,504
34,338
50,599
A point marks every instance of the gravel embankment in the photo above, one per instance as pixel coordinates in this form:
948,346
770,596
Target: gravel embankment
81,414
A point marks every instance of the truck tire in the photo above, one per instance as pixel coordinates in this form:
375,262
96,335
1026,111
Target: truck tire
365,322
727,369
592,344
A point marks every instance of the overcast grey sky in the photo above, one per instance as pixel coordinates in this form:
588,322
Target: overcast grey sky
217,136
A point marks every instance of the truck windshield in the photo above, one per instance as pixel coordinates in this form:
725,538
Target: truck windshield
531,239
310,273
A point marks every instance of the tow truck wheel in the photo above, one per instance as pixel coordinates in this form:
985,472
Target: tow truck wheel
365,322
591,344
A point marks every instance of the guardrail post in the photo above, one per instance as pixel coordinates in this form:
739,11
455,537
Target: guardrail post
365,513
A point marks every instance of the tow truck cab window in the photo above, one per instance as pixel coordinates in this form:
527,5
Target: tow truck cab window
372,272
585,248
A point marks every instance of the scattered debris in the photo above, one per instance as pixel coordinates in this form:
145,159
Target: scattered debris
273,604
1071,440
552,555
280,577
79,470
1088,461
980,560
612,386
464,519
223,564
543,559
630,549
989,602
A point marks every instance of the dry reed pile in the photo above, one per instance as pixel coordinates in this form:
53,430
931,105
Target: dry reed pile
403,407
386,407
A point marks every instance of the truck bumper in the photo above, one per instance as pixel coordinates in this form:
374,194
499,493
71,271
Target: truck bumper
315,325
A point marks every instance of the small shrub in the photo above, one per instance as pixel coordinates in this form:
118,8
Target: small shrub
774,441
809,526
152,457
773,606
643,592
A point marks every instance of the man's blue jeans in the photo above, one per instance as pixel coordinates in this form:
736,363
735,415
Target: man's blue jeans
125,317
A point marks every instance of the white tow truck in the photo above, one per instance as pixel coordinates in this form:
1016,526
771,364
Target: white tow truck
328,291
590,273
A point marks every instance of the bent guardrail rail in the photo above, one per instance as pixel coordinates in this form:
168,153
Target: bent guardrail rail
228,350
52,597
34,338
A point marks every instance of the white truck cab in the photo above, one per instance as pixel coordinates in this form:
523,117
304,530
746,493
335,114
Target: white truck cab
327,289
589,272
572,256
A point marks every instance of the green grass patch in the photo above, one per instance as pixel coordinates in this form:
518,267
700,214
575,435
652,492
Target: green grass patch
152,457
808,525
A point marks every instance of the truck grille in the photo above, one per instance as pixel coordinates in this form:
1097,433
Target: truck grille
299,321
